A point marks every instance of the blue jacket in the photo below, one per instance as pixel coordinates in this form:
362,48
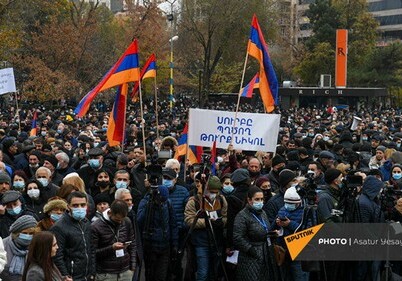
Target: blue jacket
162,231
369,208
178,196
386,170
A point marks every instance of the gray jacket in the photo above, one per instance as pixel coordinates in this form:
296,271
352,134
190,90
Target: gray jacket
35,272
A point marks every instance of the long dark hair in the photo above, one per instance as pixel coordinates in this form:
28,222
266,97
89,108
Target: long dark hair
40,253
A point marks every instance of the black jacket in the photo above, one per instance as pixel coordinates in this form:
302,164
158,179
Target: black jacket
75,256
273,205
104,234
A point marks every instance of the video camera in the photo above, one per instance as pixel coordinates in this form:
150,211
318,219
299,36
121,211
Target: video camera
388,197
308,190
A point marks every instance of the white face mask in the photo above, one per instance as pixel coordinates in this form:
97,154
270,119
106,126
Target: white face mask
33,193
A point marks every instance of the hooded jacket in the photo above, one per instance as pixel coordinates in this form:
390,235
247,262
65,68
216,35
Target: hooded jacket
370,210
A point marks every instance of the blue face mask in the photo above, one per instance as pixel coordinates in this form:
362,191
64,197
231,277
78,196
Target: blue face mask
396,176
258,205
167,183
121,184
228,188
94,163
25,236
364,138
341,185
15,211
43,181
18,185
290,207
55,217
59,131
78,213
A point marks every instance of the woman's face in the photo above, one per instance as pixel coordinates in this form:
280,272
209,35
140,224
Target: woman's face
32,185
103,177
54,247
18,178
57,211
67,145
258,197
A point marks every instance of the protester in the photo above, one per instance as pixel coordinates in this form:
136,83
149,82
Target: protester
53,210
39,265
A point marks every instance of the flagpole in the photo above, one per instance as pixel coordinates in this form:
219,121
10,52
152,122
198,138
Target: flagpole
238,97
142,122
185,161
16,112
156,108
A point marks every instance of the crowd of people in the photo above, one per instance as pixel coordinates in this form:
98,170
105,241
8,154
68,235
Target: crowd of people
75,208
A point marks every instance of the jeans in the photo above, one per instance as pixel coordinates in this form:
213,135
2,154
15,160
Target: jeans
124,276
297,273
207,263
156,264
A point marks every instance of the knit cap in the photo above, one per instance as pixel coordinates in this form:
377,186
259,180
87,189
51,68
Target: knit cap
285,177
240,175
291,196
214,184
23,222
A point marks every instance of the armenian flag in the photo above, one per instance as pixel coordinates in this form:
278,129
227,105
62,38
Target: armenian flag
117,120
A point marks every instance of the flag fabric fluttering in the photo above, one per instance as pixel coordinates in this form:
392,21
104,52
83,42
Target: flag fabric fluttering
213,158
268,83
194,152
117,120
247,92
148,71
125,70
34,127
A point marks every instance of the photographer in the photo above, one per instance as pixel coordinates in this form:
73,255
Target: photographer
157,222
329,197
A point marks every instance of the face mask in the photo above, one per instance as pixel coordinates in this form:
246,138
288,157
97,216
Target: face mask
59,132
325,138
14,211
55,217
267,194
290,207
34,165
58,167
130,208
18,185
43,181
228,188
396,176
43,134
78,213
310,135
398,145
167,183
96,144
253,174
25,236
341,185
258,205
33,193
212,196
364,138
121,184
94,163
103,184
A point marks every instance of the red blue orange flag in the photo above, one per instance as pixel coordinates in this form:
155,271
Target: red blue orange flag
268,83
213,158
34,126
117,120
148,71
194,152
125,70
247,92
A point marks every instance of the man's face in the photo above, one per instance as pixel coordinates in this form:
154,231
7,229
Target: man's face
313,168
5,186
13,149
128,199
77,202
139,155
254,166
379,155
14,204
375,143
41,174
122,177
48,165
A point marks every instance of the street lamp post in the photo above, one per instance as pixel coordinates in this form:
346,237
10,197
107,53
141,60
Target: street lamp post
173,38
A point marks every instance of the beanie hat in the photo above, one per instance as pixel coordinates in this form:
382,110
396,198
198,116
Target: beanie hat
331,174
4,177
240,175
53,160
214,184
326,154
285,177
291,196
381,148
7,143
169,173
396,157
23,222
102,197
261,180
277,159
53,203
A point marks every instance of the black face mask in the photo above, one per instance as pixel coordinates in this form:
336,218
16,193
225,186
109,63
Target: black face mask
102,184
253,174
280,169
267,194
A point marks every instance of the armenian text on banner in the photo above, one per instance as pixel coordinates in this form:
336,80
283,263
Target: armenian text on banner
251,131
7,81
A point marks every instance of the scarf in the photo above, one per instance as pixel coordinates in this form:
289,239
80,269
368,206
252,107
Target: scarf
17,263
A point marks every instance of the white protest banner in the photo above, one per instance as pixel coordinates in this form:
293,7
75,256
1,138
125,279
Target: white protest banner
252,131
7,81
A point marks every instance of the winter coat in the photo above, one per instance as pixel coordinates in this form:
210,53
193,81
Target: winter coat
104,234
3,256
256,260
35,272
162,231
328,199
7,220
236,202
178,195
369,207
75,256
386,170
201,235
273,205
274,180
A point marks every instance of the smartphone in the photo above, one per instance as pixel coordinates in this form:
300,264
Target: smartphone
128,242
